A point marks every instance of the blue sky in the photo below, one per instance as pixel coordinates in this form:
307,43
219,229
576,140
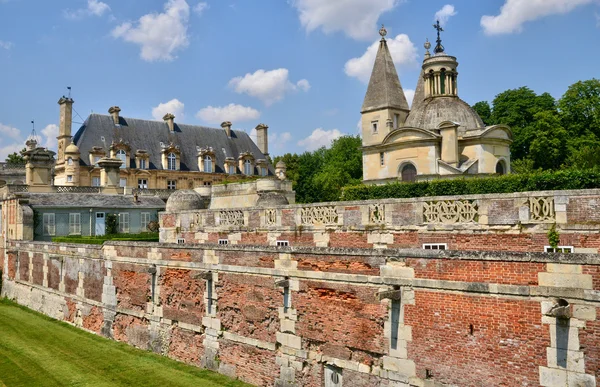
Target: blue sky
300,66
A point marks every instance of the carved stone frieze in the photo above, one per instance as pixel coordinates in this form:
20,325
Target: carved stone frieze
450,212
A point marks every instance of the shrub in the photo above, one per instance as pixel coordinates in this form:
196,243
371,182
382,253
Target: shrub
112,224
98,240
538,181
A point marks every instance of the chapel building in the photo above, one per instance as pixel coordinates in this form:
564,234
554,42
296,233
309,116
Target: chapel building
441,136
155,155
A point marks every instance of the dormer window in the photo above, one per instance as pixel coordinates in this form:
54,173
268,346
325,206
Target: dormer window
248,167
96,159
232,169
172,162
208,164
143,164
122,155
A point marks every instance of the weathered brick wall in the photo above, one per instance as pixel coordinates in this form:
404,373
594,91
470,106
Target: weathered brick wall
464,318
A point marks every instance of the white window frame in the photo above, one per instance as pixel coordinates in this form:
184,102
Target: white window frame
223,241
96,160
124,222
248,170
144,220
180,241
123,182
171,184
122,155
435,246
69,178
49,224
282,243
559,249
143,183
232,169
208,164
171,162
74,223
96,182
143,164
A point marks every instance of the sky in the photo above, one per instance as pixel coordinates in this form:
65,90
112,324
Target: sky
299,66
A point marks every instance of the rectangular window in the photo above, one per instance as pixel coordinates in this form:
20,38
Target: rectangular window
286,299
180,241
374,126
95,182
69,178
382,159
223,241
396,120
142,183
49,225
143,164
282,243
122,182
232,169
559,249
263,171
145,219
171,184
96,159
124,222
395,323
75,224
435,246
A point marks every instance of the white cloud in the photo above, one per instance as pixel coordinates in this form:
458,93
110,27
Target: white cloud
159,35
94,8
404,54
10,132
356,18
6,45
201,7
319,138
231,112
410,95
9,149
514,13
174,107
444,14
50,132
268,86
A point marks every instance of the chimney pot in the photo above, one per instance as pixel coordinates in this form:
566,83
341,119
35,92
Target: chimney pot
227,126
114,112
262,138
169,119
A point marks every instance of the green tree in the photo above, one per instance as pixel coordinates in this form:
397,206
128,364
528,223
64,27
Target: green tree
16,158
580,108
549,144
484,110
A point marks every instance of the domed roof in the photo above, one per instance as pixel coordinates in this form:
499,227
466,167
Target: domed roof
267,199
430,113
71,148
185,200
280,164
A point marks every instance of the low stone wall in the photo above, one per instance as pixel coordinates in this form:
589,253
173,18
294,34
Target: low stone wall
309,316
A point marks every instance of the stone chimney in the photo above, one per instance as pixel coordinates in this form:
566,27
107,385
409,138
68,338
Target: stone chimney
227,126
449,151
114,112
262,138
38,169
170,120
109,174
64,128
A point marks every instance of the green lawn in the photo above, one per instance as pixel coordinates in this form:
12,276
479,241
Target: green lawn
36,350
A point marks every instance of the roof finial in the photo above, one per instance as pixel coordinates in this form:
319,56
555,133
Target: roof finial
438,48
427,46
383,32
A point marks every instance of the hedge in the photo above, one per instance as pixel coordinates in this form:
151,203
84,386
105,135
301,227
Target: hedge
98,240
540,181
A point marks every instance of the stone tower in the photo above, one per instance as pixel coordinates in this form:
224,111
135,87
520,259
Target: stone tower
385,107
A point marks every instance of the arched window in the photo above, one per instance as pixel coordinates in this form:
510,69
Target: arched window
409,173
500,168
171,162
208,164
248,167
122,155
443,81
70,161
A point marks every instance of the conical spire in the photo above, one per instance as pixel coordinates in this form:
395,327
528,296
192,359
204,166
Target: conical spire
385,90
419,92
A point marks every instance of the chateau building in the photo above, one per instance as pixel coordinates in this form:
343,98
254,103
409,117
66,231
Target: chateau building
154,154
440,136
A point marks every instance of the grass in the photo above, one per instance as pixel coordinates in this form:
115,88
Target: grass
36,350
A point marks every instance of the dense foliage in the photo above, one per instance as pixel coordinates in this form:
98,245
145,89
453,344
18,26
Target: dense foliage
16,158
539,181
319,176
549,134
98,240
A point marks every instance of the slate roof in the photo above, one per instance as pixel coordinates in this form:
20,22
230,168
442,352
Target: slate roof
419,92
384,90
433,111
100,131
83,200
